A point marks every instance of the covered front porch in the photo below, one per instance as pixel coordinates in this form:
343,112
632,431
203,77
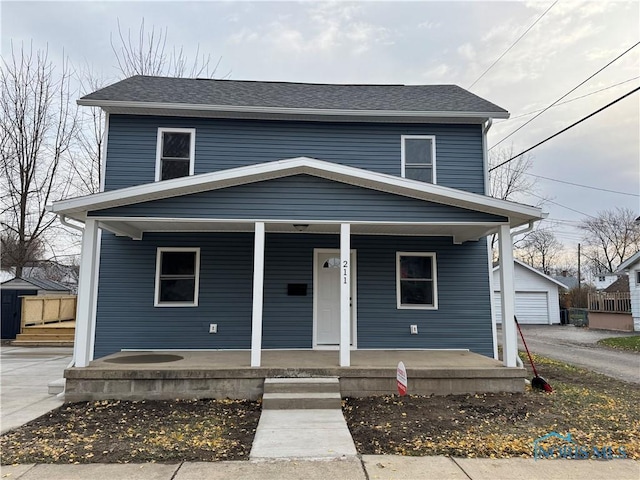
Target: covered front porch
254,227
136,375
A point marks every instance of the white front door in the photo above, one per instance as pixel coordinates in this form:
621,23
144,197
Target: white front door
327,297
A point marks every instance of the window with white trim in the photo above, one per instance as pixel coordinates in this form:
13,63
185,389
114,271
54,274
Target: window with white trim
418,153
177,277
175,153
638,278
416,281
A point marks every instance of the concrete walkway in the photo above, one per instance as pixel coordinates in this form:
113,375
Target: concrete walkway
305,434
26,373
369,467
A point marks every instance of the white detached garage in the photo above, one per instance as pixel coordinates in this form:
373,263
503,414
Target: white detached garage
537,295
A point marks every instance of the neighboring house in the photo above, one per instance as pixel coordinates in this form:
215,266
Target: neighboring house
632,267
601,282
537,295
620,285
13,290
48,270
268,215
567,280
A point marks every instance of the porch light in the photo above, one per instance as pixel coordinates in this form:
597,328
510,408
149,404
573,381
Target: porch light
301,227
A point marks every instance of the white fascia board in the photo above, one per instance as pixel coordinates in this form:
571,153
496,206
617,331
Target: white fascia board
530,268
106,104
296,166
629,262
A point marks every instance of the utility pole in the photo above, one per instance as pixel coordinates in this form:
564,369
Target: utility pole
579,293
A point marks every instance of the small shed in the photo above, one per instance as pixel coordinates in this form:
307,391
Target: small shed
12,291
537,295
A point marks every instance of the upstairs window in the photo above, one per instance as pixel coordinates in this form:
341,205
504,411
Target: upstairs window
176,151
177,277
419,157
416,280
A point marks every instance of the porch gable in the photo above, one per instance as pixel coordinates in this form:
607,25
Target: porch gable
299,197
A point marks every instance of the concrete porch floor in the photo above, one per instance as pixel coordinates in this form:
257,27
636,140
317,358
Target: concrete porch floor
228,374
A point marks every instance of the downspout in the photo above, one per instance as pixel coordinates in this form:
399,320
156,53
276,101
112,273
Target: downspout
488,126
524,230
487,186
64,221
513,234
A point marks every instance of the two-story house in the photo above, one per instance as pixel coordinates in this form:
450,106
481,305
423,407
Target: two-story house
268,215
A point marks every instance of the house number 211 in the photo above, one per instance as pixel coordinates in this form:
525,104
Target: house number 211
345,275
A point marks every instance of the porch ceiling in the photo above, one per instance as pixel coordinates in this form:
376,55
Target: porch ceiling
459,231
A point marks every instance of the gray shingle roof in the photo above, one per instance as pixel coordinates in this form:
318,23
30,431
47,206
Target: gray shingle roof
42,283
46,284
408,98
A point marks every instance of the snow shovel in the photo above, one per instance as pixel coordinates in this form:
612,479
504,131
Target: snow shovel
537,381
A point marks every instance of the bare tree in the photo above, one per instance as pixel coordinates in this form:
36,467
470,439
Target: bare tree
540,249
37,128
510,181
146,54
12,253
91,136
611,237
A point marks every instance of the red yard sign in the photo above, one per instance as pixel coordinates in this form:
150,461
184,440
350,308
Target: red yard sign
402,379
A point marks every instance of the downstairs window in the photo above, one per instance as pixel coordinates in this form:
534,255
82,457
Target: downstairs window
416,280
177,277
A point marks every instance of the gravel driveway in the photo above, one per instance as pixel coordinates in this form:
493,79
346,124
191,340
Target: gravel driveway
578,346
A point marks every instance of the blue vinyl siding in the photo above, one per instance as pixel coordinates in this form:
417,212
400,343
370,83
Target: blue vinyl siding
300,197
126,317
223,143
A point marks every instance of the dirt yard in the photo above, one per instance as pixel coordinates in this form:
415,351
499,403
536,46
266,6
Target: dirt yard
596,410
122,432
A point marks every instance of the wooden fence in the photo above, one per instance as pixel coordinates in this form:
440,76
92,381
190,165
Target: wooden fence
613,302
43,309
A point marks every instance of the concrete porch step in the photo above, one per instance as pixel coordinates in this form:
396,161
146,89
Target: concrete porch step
302,385
301,401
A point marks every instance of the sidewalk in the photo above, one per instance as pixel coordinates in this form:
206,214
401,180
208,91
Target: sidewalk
370,467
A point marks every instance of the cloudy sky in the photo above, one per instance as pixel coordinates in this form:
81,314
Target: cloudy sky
412,43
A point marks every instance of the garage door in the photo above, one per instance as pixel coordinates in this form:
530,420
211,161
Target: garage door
531,307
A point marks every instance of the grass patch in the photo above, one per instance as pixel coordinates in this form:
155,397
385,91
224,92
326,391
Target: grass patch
623,343
113,431
596,410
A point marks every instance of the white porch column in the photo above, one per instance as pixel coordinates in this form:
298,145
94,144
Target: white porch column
82,347
509,339
258,288
345,294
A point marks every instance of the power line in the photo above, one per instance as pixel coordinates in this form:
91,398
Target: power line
560,205
572,99
570,91
582,185
566,128
512,45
